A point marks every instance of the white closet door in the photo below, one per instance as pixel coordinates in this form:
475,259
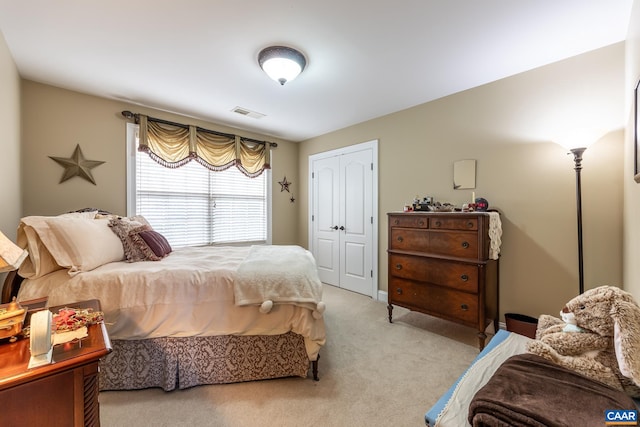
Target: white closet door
356,219
342,220
326,219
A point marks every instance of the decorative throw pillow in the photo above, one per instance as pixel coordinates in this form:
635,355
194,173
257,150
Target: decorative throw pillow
141,245
156,242
122,227
140,241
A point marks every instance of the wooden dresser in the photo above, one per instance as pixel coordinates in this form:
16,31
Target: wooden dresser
439,265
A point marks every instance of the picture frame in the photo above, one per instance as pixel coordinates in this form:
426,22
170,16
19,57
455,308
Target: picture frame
636,132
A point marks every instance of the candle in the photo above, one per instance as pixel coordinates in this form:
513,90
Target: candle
473,197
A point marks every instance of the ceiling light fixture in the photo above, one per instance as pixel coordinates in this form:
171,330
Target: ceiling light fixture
281,63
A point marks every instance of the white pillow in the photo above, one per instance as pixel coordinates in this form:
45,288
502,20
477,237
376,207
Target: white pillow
77,243
82,244
40,261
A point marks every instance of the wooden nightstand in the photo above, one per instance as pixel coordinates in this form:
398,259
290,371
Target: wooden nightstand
64,393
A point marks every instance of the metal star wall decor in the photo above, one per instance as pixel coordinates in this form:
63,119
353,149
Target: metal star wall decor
77,165
284,184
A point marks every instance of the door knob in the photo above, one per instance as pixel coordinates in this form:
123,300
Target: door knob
335,227
342,227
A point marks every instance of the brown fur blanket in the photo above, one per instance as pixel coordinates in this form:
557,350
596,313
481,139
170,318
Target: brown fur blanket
528,390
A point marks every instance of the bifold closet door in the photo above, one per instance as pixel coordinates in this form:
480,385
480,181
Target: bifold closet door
342,220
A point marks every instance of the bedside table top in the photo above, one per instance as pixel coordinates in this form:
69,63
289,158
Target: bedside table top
14,357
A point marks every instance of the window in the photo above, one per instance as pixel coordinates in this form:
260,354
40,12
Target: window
193,206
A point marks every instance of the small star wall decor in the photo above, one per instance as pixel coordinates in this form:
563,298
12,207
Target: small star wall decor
77,165
284,185
292,199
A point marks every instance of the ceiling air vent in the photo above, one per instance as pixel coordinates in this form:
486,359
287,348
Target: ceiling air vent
248,113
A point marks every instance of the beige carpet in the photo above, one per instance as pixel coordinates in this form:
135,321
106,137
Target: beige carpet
372,373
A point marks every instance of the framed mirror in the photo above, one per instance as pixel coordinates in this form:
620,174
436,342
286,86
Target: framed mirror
464,174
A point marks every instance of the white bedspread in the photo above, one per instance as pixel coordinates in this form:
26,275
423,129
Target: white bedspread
279,274
188,293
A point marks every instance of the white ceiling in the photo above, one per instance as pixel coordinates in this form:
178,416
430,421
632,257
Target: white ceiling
365,58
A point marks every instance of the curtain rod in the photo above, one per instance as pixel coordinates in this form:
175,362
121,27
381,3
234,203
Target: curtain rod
129,115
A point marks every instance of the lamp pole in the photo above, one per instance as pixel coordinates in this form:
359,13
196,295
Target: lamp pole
577,158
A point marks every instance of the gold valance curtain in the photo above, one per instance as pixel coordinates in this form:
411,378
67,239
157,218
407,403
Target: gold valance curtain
174,145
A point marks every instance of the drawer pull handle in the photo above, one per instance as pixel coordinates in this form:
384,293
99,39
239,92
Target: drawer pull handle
465,245
464,277
398,266
399,291
400,239
396,222
470,224
420,223
464,307
438,223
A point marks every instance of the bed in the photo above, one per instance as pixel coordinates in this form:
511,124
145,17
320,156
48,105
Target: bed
190,316
505,385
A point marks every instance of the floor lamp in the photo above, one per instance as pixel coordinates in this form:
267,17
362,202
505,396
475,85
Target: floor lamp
577,158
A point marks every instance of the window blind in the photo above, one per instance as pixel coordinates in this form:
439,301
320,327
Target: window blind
192,205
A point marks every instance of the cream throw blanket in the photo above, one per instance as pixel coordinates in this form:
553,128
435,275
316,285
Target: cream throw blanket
279,274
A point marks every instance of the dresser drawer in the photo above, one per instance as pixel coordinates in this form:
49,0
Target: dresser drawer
409,239
454,275
457,244
448,223
448,243
443,302
411,221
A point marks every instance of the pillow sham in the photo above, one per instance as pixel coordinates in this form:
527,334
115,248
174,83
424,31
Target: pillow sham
77,243
84,244
40,261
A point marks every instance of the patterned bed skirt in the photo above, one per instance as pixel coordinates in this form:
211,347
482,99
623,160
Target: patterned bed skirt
171,363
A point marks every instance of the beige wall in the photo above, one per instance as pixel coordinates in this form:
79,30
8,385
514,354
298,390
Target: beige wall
55,120
520,171
631,188
9,143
